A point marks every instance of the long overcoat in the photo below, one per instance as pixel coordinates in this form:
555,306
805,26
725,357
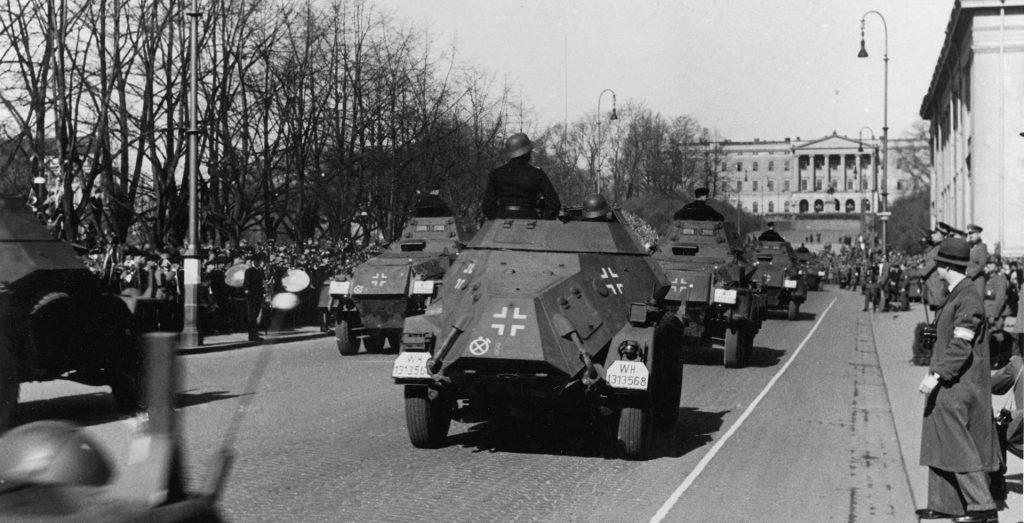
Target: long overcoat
958,433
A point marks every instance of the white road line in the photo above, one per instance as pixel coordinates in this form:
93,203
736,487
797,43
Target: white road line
671,501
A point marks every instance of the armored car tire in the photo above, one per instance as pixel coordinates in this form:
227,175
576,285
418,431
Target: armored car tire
733,348
634,432
9,384
428,415
794,310
348,345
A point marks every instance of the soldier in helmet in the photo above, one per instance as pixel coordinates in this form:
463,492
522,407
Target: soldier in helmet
699,209
596,209
518,189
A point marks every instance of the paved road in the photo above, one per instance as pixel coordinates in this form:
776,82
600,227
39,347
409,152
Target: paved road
804,433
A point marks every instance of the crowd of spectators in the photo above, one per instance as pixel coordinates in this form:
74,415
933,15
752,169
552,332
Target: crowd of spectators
156,278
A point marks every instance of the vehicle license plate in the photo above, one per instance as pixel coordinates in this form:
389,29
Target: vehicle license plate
411,365
339,287
789,284
628,375
725,296
423,287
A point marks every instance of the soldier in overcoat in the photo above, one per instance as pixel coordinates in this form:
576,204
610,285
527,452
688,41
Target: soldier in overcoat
959,444
934,287
979,256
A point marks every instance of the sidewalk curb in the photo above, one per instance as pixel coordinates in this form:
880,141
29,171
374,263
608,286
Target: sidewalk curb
244,344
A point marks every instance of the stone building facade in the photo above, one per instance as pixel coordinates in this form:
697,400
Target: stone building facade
975,105
833,174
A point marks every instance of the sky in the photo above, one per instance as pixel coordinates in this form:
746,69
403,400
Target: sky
766,69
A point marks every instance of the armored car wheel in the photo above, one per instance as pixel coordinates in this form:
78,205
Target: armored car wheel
427,416
9,385
634,432
347,344
733,348
794,310
747,343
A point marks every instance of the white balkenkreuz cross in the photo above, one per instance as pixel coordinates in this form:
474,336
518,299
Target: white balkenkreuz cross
379,279
678,284
513,327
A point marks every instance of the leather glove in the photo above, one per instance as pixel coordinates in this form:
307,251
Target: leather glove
928,383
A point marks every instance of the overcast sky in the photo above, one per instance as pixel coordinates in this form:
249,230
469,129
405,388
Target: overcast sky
765,69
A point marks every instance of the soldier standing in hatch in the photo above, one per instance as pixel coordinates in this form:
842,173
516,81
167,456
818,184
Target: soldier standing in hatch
979,256
431,205
699,209
959,444
770,235
518,189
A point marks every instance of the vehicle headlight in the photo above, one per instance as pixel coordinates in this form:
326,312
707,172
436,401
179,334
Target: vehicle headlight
631,350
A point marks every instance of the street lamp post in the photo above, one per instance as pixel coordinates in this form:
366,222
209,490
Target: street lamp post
190,330
885,120
614,116
874,171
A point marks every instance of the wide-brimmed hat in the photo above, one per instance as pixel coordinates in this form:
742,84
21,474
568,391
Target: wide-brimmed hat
942,228
955,251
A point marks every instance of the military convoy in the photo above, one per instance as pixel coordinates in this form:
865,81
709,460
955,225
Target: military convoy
777,271
54,323
565,314
400,282
711,290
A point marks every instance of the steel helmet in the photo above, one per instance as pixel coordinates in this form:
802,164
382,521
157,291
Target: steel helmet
517,145
52,453
594,207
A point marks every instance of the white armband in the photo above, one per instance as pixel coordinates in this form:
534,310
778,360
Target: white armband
963,333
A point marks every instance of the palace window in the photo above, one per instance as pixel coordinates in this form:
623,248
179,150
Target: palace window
771,185
785,186
755,167
755,184
771,166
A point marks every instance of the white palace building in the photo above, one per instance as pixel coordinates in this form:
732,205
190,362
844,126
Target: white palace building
833,174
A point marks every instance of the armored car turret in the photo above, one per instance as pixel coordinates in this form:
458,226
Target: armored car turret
547,314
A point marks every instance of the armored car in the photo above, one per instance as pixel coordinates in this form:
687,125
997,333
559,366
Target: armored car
402,281
711,290
54,322
545,314
778,272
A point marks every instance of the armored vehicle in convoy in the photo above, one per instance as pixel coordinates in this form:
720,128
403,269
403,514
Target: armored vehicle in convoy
711,291
57,471
400,282
811,269
546,315
778,272
54,322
